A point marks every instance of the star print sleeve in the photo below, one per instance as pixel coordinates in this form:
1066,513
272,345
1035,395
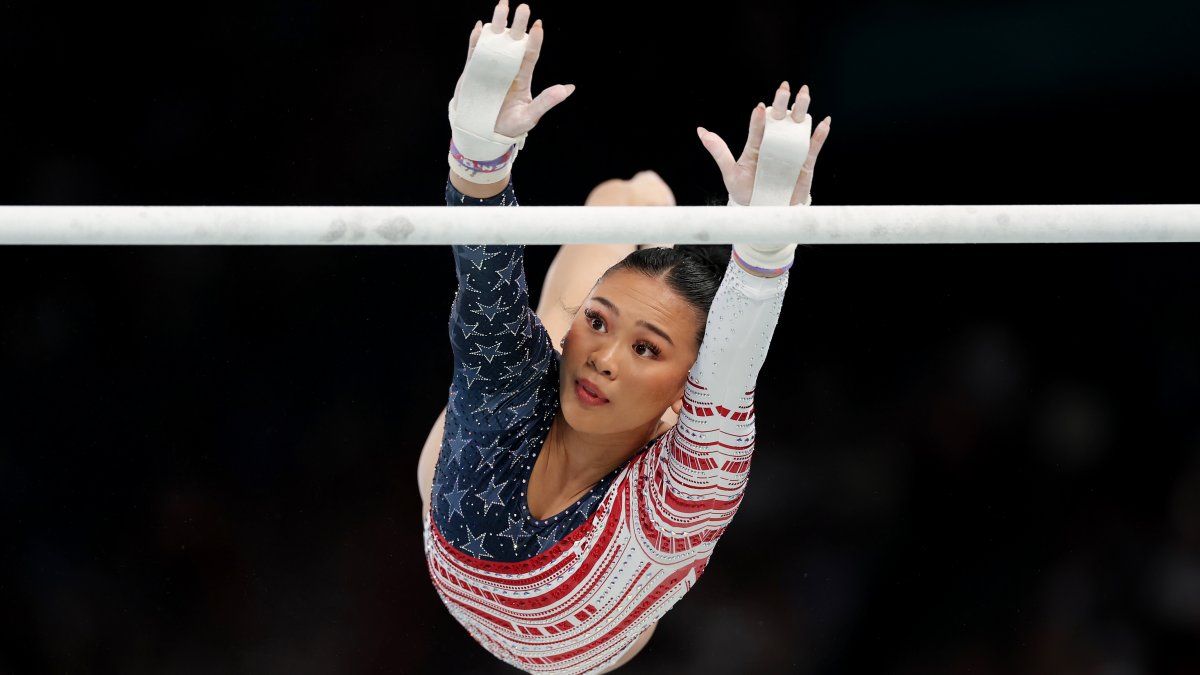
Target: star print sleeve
701,470
501,351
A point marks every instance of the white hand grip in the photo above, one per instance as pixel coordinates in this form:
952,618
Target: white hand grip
486,79
780,159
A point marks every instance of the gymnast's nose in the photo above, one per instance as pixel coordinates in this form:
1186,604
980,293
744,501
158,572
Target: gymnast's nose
604,361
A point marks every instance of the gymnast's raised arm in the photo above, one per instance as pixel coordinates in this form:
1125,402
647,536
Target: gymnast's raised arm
700,473
490,120
490,114
575,268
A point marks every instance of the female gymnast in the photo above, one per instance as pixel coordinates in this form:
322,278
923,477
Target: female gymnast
572,497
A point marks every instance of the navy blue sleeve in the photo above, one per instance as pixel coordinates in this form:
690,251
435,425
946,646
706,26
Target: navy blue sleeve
501,351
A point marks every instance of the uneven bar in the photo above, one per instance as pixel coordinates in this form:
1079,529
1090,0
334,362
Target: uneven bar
439,225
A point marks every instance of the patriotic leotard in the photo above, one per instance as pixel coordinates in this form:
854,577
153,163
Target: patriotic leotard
570,594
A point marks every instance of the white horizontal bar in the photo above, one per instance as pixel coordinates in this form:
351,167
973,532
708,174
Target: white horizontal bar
419,225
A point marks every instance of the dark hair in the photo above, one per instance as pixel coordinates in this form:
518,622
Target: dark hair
693,271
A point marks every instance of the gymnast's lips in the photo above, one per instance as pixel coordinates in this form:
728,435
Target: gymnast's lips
589,394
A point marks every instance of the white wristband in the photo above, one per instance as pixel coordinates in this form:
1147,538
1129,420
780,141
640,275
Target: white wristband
766,259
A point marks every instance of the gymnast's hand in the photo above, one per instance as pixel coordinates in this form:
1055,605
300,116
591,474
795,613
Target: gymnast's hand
739,175
520,111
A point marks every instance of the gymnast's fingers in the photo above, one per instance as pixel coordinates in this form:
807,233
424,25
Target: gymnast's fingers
720,152
758,124
804,184
500,17
520,22
549,98
474,40
780,105
800,107
817,141
532,51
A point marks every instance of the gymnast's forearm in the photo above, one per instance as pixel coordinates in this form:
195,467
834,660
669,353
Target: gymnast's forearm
700,482
476,190
741,323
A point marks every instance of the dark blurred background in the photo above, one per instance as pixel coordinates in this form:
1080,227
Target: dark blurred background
979,459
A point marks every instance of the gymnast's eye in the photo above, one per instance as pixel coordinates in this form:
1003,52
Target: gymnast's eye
647,349
594,320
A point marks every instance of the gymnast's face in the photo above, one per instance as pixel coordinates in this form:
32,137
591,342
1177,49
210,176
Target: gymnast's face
627,355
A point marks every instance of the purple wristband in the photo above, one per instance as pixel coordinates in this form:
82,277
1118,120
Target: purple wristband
763,270
477,167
